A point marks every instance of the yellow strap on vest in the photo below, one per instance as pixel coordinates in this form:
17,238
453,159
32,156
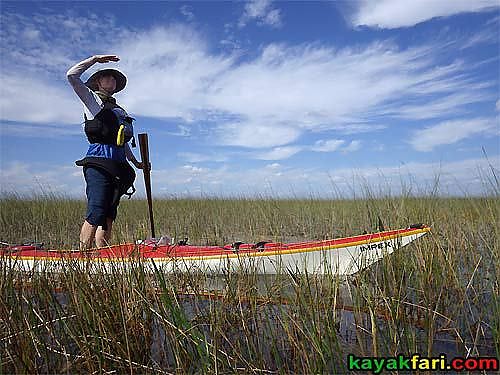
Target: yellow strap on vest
120,137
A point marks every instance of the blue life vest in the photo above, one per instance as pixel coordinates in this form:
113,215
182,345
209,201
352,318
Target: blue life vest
109,130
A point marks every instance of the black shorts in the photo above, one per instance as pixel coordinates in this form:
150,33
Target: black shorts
102,200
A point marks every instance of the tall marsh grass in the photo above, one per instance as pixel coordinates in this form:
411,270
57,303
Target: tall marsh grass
440,294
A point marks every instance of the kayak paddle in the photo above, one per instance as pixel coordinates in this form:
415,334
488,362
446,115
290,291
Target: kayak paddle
143,145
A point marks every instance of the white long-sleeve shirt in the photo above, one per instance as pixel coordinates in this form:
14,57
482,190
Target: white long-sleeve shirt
92,103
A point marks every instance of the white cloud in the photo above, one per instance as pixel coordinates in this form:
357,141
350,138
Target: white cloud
396,13
452,104
169,71
274,166
39,130
256,135
351,147
45,43
187,11
455,178
36,53
449,132
35,179
313,87
261,11
461,177
181,131
486,36
268,101
329,145
193,169
332,145
193,157
279,153
26,98
497,106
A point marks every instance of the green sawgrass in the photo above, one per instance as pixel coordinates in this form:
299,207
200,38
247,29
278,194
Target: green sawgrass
443,287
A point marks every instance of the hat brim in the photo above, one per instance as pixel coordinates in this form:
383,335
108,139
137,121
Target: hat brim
121,80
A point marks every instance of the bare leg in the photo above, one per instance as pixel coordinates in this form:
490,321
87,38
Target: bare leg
103,237
87,235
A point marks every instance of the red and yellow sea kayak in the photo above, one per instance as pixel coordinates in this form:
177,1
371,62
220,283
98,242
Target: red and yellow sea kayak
341,256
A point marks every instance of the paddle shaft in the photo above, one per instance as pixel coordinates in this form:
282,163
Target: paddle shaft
144,147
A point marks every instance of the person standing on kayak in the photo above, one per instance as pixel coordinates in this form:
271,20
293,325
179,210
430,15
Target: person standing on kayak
108,129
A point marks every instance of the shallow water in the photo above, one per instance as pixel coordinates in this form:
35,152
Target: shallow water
258,311
352,323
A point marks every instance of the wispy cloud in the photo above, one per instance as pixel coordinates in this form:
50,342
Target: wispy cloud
261,11
34,179
455,178
332,145
33,130
28,98
187,11
46,43
193,157
487,36
273,153
268,101
395,13
170,70
36,53
279,153
447,105
449,132
328,145
256,134
351,147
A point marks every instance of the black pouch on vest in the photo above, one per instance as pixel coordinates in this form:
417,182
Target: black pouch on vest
103,128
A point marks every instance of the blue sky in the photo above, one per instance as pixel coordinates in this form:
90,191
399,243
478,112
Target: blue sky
262,98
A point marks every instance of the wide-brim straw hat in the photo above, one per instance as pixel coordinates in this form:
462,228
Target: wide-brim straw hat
120,78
